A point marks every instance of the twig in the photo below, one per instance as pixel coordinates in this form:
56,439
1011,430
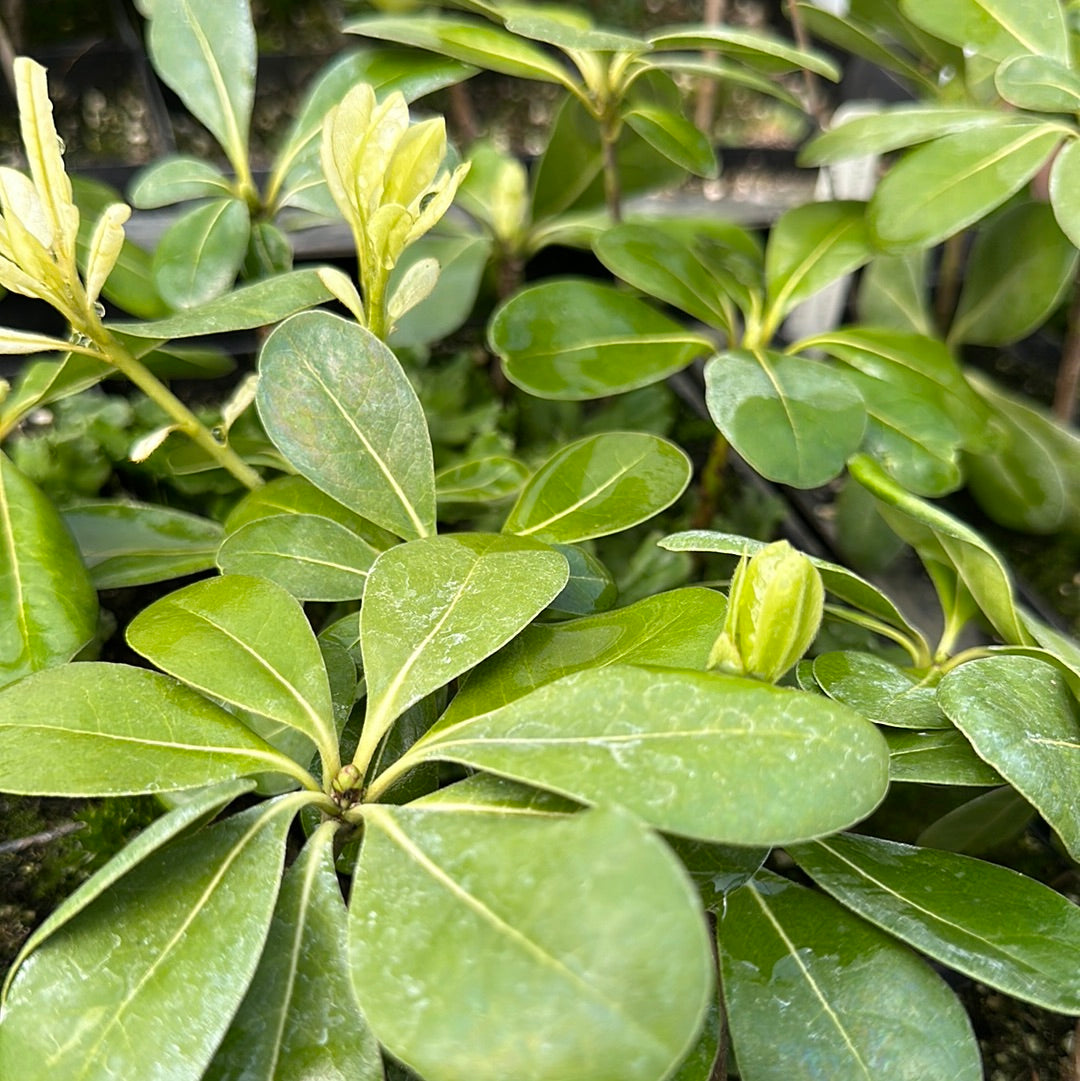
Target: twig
43,838
705,106
815,101
1068,376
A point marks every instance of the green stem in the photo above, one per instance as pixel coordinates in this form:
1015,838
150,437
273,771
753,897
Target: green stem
917,651
712,483
609,137
375,303
948,292
178,413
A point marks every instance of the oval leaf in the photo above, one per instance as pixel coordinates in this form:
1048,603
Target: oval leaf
1038,83
599,485
1027,943
482,480
336,403
1065,190
796,421
800,972
703,755
48,607
577,340
596,958
943,756
675,137
98,729
175,180
995,28
1037,752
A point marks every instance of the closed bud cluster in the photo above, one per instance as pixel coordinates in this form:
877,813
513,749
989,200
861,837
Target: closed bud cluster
774,611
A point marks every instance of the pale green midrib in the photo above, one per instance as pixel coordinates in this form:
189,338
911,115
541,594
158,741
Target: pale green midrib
197,908
527,945
812,983
1009,29
383,468
300,557
986,945
799,272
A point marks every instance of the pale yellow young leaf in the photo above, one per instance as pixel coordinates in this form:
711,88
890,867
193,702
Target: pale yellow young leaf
105,246
387,234
23,342
416,284
345,292
415,163
441,196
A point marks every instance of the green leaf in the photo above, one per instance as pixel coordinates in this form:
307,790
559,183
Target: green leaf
716,870
981,825
486,792
943,756
1038,753
837,580
876,688
314,558
95,729
675,137
41,382
245,642
939,538
48,607
566,30
669,630
481,480
795,421
892,129
135,544
435,607
589,589
809,247
1038,83
1027,943
595,958
949,184
893,293
200,254
995,28
300,1018
1065,189
250,306
575,340
480,44
178,936
201,805
714,757
204,51
1020,269
177,179
732,74
599,485
800,972
754,47
336,403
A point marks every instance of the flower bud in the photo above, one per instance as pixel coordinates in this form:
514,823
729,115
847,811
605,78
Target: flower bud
774,611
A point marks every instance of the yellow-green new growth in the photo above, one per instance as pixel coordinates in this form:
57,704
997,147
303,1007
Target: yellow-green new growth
387,177
774,611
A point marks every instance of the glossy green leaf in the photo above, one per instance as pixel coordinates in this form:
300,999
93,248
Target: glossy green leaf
577,340
581,937
314,558
669,630
481,480
178,936
892,129
134,544
486,792
675,137
599,485
337,404
937,757
755,47
731,73
894,292
480,44
48,607
176,180
995,28
716,870
800,972
300,1018
41,382
1038,83
949,184
714,757
95,729
589,589
809,247
795,421
981,825
204,50
938,537
1029,481
200,805
1020,268
200,254
1026,943
876,688
1036,750
435,607
250,306
566,29
1065,190
245,642
650,258
839,581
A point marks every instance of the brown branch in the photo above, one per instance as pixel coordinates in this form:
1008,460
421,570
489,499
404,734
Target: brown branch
45,837
1068,376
